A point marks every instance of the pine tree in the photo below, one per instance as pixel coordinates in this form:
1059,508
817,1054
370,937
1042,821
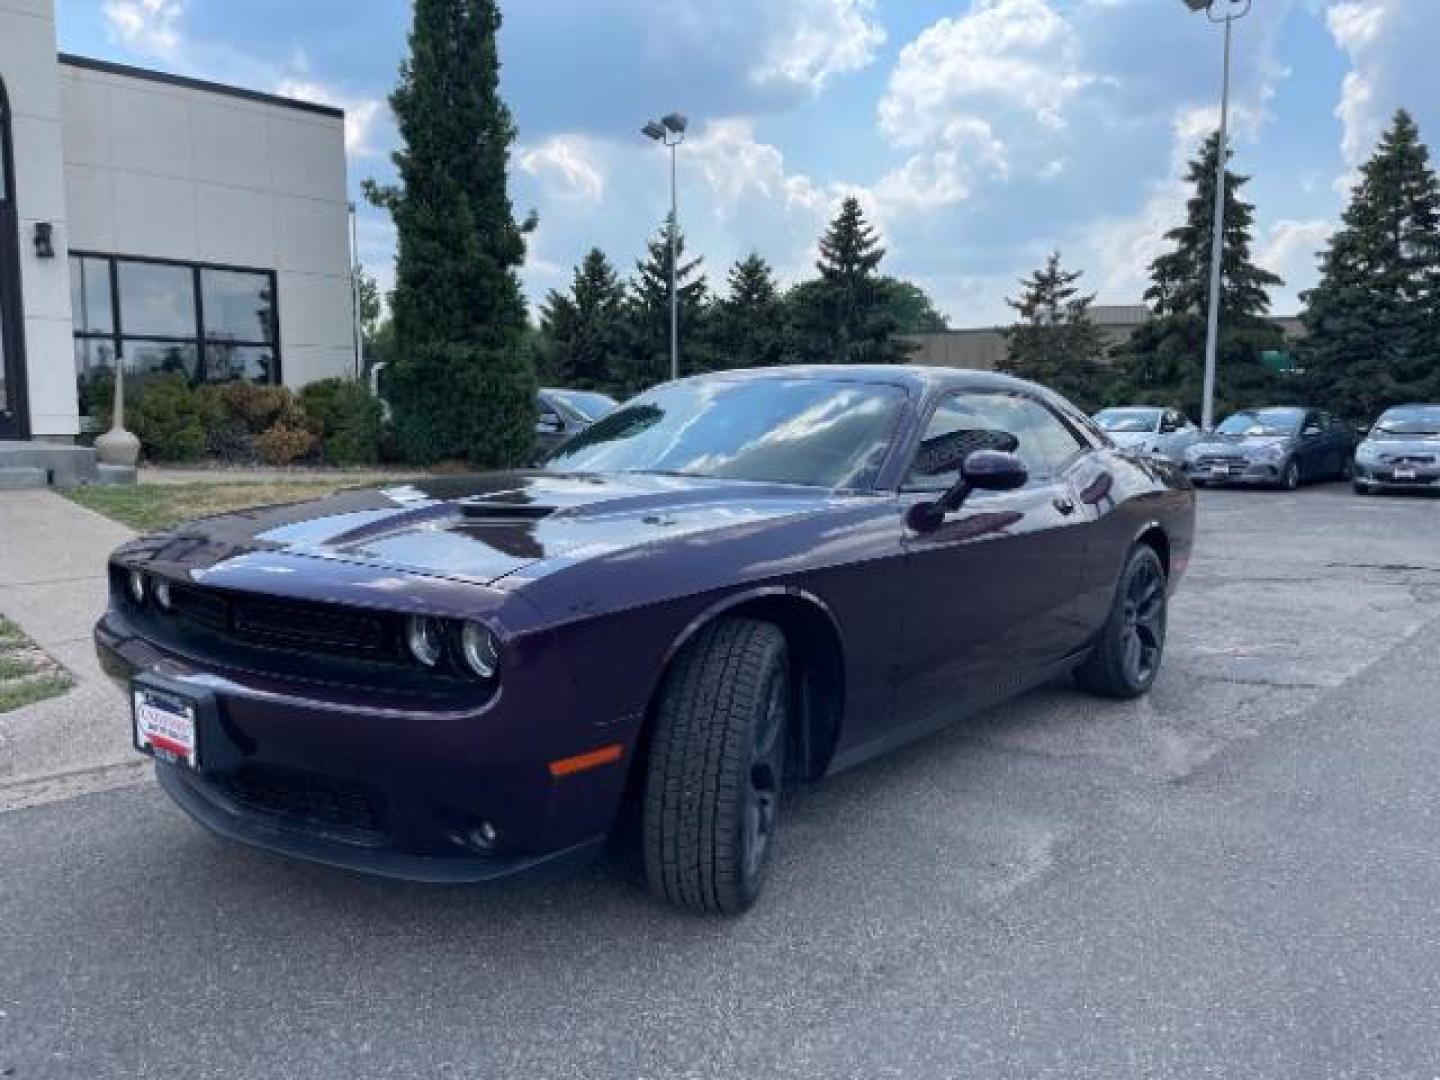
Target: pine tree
842,317
582,331
649,314
1054,341
1164,360
1373,321
462,382
748,323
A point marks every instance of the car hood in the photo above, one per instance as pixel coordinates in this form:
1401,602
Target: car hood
484,528
1247,446
1131,439
1404,445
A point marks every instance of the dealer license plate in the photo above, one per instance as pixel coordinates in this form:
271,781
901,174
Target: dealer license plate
1404,474
164,726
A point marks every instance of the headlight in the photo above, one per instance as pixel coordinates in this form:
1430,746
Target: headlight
1272,452
477,649
1368,454
136,584
160,588
425,638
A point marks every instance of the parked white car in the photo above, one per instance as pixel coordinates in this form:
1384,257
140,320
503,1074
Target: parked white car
1149,429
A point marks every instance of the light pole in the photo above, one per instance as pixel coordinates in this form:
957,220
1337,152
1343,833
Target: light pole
670,131
1226,12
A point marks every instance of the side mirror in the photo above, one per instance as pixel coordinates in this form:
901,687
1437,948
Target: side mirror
982,470
549,424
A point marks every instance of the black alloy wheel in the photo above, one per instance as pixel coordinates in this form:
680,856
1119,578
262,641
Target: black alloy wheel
1126,658
1290,475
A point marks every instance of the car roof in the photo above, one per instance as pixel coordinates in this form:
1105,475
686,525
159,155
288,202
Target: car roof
916,377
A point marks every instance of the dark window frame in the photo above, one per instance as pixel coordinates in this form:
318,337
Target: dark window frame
199,341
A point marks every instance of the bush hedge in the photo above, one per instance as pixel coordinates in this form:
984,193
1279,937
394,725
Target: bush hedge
350,420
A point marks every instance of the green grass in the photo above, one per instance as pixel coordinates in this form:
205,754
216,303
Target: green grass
27,675
148,507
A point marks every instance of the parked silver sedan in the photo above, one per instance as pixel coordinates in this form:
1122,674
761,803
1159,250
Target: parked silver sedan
1149,429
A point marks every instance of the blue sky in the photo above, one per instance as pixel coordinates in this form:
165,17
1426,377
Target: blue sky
980,134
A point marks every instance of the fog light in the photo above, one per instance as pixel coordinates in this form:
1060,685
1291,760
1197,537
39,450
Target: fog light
137,586
425,637
161,590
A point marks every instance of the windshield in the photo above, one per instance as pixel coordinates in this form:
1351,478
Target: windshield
588,404
1263,422
821,433
1410,420
1128,419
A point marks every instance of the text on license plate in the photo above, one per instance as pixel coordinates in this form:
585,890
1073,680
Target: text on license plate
1404,474
165,727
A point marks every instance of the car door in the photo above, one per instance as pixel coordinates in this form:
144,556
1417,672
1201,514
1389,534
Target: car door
1313,447
550,429
990,595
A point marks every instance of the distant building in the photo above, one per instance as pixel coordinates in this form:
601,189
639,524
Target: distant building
983,348
175,225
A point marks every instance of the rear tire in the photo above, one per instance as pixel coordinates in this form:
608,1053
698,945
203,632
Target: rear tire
1126,659
716,767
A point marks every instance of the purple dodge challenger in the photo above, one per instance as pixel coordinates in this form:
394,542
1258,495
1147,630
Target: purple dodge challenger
732,584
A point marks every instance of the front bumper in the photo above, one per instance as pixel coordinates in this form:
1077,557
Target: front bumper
323,774
1249,472
1383,477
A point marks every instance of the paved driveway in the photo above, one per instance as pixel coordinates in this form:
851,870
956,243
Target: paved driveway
1236,877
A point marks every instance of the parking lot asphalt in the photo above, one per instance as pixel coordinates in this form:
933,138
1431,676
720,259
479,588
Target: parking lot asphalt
1236,877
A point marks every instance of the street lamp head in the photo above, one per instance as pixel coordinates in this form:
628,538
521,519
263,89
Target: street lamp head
676,122
654,130
1197,5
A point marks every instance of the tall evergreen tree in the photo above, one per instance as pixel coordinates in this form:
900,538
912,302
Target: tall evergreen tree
1373,321
748,322
843,317
1164,361
583,331
649,322
1053,341
462,381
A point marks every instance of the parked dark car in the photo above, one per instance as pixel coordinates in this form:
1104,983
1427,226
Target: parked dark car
1401,452
733,583
1277,447
563,413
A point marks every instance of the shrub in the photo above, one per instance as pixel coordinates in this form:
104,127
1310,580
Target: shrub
284,445
170,420
349,420
257,406
454,401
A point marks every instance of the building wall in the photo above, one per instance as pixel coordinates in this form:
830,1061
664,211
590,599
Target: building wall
32,81
177,172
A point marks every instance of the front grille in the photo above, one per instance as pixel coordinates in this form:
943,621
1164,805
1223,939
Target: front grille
1408,459
308,626
323,804
1229,461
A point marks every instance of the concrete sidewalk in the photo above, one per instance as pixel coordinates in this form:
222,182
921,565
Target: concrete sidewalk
52,583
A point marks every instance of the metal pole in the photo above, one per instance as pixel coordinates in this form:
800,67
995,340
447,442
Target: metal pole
1217,246
674,254
355,294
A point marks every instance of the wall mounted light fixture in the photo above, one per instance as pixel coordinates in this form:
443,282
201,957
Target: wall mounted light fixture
44,240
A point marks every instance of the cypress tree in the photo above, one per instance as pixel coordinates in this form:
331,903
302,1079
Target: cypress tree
1164,360
649,322
582,331
1374,318
749,319
462,382
1054,341
843,317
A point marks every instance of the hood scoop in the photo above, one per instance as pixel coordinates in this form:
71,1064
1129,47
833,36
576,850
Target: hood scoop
501,512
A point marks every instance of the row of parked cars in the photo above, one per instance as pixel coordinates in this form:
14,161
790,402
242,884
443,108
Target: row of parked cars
1287,446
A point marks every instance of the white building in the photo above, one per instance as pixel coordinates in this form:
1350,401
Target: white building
181,225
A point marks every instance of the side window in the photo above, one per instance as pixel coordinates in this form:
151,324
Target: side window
990,421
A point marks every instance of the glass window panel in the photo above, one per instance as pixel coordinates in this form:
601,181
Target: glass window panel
156,299
90,296
94,367
160,358
239,306
226,362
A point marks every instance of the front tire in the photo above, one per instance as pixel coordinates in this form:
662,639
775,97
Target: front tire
1290,477
716,767
1126,659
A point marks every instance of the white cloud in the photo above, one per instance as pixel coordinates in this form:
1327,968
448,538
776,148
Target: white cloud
819,39
1391,46
1290,247
567,166
360,113
147,26
1002,55
932,179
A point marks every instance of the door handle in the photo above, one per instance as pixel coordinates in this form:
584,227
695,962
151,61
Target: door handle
1064,504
